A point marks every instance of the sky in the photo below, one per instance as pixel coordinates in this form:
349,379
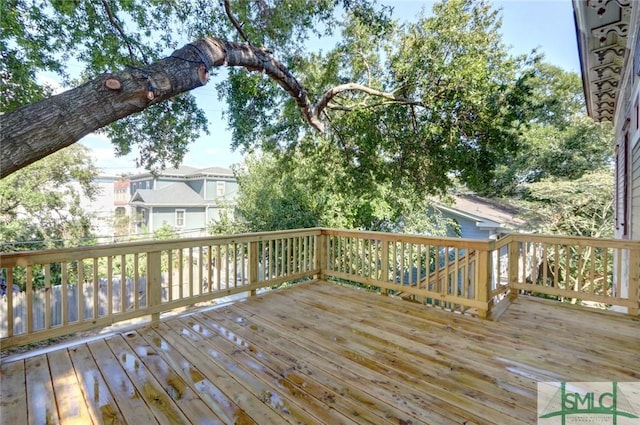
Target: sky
545,25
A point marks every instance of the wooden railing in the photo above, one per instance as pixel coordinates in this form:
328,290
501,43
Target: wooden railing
599,272
52,293
450,273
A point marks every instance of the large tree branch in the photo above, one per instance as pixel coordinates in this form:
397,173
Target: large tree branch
34,131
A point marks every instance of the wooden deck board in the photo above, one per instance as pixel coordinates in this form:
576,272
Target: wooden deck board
41,403
68,394
299,370
13,400
323,354
97,396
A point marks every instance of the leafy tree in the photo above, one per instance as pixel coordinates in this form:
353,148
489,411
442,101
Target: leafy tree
408,106
443,99
166,231
580,207
311,191
560,141
133,36
41,205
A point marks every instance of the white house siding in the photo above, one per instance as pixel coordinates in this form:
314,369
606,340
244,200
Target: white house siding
101,208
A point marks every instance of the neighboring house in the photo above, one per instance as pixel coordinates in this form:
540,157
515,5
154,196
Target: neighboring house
608,33
479,218
185,198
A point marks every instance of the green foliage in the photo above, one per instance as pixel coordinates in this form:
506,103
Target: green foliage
467,101
559,142
86,38
313,190
162,132
43,202
581,207
166,231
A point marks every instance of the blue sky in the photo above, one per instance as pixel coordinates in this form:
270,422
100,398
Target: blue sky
546,25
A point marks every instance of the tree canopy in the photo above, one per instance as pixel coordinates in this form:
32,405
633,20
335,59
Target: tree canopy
417,105
41,206
560,141
312,190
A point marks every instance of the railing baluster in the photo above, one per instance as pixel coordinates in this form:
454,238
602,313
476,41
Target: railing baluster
80,290
47,296
65,298
96,289
190,262
135,303
109,285
210,268
218,267
123,283
556,273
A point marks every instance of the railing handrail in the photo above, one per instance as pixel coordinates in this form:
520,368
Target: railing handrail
28,258
572,240
414,238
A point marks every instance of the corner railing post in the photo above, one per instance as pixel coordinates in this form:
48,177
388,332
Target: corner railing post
484,281
634,279
322,263
513,257
154,285
253,266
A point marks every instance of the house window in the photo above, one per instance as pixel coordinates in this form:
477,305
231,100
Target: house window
220,188
180,218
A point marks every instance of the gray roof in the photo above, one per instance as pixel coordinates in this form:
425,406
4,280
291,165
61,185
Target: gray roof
186,171
176,194
487,213
218,171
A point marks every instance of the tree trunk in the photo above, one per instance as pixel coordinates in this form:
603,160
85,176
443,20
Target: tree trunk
34,131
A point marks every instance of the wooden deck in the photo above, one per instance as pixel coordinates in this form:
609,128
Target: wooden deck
320,353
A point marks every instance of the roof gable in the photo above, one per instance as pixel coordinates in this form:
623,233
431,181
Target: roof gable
176,194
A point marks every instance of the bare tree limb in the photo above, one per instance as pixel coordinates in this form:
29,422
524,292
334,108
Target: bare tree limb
331,93
116,25
237,25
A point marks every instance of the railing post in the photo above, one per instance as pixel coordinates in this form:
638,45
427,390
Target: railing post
322,254
154,285
253,266
634,279
513,257
484,281
384,267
